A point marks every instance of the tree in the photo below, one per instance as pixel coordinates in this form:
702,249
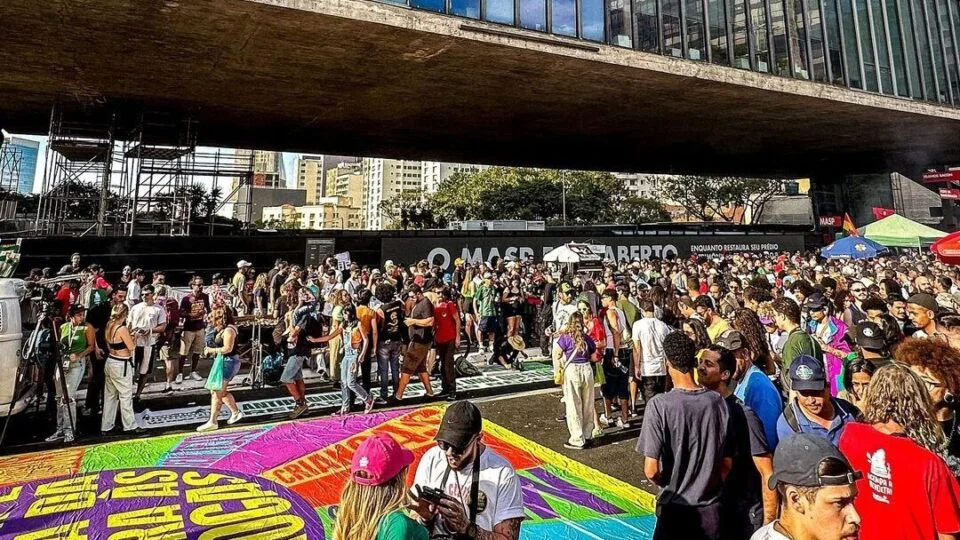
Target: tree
637,210
410,210
726,198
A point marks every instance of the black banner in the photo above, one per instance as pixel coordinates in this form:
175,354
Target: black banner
444,251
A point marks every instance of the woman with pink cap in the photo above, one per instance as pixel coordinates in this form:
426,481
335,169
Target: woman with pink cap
373,501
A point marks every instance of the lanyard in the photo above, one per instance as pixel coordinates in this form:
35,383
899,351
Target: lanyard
474,488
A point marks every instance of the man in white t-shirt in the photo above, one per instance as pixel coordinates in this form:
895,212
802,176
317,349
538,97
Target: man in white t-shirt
450,468
134,287
649,361
146,322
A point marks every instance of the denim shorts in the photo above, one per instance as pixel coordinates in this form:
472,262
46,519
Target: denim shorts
293,370
231,366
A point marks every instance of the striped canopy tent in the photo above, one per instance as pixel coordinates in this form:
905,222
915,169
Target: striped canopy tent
898,231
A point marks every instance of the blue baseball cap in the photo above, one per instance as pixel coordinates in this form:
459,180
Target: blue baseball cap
807,373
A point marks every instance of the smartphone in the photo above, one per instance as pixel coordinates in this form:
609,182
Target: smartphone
431,495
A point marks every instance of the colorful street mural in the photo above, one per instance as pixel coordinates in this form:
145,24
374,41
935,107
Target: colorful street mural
279,481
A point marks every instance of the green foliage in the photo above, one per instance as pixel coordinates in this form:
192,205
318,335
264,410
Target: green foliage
537,195
410,210
725,198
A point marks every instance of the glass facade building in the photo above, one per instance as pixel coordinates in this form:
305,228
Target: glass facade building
18,174
905,48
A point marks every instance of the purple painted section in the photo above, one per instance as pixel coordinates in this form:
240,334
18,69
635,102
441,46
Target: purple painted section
283,443
204,451
133,502
561,489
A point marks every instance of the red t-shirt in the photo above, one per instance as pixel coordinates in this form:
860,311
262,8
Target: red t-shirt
67,297
907,492
444,325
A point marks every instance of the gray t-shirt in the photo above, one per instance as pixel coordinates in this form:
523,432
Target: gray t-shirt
687,431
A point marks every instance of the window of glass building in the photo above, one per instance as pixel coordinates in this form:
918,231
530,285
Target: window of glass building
818,51
940,65
564,20
880,41
621,30
465,8
778,17
947,14
717,18
500,11
909,40
591,20
760,32
798,39
533,15
863,27
834,49
695,44
896,47
851,44
648,31
923,40
741,44
672,42
428,5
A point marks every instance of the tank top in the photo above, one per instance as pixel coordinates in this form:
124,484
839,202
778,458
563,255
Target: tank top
74,337
356,338
117,345
218,341
624,332
390,328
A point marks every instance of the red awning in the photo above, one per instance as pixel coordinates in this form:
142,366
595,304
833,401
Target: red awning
947,249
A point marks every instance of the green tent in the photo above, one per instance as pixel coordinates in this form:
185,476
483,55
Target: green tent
898,231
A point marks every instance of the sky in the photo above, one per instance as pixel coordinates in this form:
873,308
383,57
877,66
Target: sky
289,160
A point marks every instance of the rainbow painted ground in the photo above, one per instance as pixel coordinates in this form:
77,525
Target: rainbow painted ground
280,481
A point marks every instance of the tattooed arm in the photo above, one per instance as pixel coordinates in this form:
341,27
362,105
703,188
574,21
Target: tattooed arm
508,529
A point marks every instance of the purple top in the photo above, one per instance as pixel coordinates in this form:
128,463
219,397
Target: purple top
568,346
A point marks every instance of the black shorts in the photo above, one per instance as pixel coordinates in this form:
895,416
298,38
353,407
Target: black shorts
489,325
651,386
616,385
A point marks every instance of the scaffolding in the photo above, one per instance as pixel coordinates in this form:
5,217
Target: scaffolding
142,176
11,158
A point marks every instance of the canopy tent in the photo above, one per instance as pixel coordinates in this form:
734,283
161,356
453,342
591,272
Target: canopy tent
947,249
853,247
573,253
898,231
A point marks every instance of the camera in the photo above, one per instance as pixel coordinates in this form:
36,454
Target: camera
431,495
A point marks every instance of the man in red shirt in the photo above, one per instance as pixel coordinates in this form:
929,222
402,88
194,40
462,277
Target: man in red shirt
446,322
907,491
68,295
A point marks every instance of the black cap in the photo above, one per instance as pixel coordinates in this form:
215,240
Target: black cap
461,423
870,336
797,460
75,309
925,300
815,301
731,340
807,373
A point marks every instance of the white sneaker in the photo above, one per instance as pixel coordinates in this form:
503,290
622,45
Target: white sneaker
55,437
179,378
603,420
195,376
209,426
620,423
235,417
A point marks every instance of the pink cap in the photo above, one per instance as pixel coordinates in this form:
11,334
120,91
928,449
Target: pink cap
378,459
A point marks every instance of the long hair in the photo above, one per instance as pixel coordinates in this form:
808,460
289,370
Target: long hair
576,331
466,288
362,508
898,394
748,324
221,317
702,338
261,282
119,313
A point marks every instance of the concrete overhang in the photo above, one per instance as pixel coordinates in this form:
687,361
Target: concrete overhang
357,77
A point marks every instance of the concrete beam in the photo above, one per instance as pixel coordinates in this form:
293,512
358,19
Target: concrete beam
363,78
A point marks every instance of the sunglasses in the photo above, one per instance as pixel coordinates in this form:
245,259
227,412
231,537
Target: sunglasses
445,447
857,290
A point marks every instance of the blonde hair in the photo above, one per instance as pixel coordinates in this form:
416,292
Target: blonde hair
261,282
119,312
898,394
575,331
362,508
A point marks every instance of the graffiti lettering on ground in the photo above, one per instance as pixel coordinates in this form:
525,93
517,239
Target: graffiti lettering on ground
280,481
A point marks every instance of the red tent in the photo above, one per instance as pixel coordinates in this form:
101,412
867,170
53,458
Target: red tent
947,249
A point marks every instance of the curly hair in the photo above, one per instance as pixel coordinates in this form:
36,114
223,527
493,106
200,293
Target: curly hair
935,355
702,338
680,352
748,324
898,394
576,331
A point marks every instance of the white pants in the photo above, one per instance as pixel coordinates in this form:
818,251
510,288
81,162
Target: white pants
578,396
67,405
118,390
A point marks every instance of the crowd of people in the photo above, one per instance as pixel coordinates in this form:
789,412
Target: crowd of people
778,395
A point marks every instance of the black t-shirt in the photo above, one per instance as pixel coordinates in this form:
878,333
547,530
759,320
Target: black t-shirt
742,488
422,334
98,316
391,327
